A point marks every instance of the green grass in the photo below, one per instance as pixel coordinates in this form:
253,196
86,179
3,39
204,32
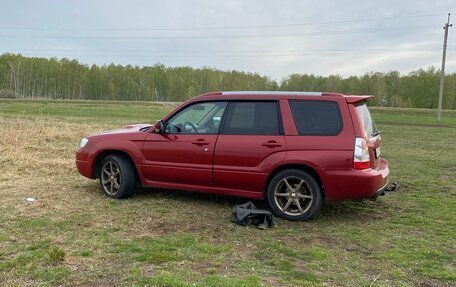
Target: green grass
90,111
73,235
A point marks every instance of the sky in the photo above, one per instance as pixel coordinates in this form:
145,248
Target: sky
274,38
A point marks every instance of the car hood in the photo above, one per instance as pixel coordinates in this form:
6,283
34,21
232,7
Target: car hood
127,129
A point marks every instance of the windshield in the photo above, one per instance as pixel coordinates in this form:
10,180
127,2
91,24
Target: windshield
368,122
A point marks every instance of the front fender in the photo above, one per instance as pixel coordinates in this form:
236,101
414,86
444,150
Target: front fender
130,146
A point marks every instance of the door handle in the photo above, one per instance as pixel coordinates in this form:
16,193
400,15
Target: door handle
200,142
271,144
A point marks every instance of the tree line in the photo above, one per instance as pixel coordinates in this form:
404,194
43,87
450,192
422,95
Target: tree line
29,77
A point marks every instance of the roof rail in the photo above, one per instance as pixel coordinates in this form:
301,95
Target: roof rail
285,93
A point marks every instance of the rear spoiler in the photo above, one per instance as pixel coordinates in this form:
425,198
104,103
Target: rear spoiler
356,99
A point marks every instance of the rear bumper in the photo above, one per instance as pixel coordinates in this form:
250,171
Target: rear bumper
356,184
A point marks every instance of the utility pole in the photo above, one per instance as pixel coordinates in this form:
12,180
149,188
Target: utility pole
442,73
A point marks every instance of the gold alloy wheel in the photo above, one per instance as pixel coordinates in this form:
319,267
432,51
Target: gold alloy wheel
293,195
111,177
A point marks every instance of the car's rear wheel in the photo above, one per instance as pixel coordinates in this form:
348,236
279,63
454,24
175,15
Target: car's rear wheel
117,177
294,195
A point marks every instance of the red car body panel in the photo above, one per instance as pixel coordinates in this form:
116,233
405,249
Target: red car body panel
179,158
244,161
241,165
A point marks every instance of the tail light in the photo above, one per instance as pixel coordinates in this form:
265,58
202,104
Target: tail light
361,158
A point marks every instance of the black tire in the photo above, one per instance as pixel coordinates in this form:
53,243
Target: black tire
298,201
117,177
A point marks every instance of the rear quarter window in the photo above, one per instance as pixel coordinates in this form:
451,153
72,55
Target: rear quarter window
316,117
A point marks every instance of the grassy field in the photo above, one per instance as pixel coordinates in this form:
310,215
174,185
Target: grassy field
74,235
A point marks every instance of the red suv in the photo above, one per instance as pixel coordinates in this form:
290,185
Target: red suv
292,148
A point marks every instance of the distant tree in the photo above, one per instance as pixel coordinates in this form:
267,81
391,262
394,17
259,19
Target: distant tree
54,78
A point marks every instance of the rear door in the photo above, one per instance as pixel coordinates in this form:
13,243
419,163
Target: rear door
252,138
372,135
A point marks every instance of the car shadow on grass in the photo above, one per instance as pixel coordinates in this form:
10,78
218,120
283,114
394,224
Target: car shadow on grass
354,211
195,197
359,210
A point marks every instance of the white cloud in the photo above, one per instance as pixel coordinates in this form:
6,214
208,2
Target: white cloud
425,44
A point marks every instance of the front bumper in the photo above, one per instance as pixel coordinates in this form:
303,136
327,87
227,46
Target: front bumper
83,164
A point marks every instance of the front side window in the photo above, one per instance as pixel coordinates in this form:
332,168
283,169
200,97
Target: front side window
257,118
316,117
202,118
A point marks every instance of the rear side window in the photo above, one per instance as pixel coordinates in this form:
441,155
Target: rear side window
258,118
316,117
366,118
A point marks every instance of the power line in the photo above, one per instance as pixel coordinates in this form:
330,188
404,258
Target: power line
220,27
281,35
253,56
380,50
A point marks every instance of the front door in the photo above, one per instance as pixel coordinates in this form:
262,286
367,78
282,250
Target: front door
184,152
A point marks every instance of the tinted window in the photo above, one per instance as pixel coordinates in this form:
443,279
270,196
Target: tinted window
202,118
316,117
259,118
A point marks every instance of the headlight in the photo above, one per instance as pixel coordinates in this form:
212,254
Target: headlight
84,141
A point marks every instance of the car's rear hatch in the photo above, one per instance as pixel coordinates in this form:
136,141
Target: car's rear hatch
371,134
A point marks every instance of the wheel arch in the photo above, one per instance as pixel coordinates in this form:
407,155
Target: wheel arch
300,166
102,154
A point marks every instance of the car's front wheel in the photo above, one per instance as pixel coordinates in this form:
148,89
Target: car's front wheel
117,177
294,195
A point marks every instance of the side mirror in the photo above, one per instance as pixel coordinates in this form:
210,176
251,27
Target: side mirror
158,127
